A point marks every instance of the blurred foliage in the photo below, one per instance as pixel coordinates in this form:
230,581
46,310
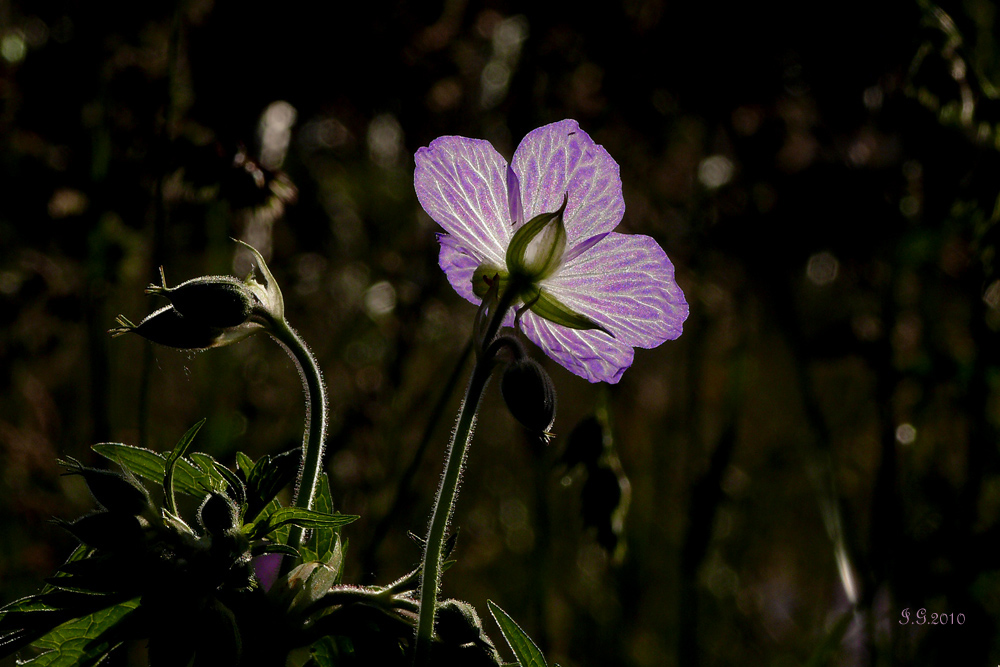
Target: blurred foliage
824,179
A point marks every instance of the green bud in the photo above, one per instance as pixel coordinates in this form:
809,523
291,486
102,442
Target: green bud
536,249
529,394
485,276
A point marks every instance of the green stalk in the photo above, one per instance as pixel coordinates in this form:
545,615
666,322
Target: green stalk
444,502
314,436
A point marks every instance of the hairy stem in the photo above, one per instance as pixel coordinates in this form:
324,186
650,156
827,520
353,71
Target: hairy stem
314,435
444,502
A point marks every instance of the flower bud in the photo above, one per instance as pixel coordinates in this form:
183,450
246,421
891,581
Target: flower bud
536,249
210,311
457,622
167,326
458,627
217,514
213,301
529,394
113,491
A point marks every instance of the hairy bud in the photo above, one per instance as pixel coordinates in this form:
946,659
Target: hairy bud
217,514
529,394
113,491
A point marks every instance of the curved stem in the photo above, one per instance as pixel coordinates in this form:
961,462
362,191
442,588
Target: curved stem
314,435
444,502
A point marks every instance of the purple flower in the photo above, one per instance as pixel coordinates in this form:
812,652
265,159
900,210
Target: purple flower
593,294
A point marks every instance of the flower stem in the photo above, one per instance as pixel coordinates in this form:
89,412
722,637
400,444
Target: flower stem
444,503
314,435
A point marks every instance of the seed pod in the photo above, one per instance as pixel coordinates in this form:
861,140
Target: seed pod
529,394
112,490
211,301
217,514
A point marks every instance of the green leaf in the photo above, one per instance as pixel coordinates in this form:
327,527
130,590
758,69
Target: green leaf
80,553
180,449
188,479
547,306
302,518
520,643
268,476
84,641
244,464
324,652
323,542
235,487
260,548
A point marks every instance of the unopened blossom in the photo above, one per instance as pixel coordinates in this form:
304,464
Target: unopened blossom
591,294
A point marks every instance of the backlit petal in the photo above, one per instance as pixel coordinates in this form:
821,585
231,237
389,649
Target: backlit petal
462,184
626,284
591,354
561,158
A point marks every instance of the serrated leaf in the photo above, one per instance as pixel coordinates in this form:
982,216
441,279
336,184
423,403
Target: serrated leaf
525,650
84,641
178,452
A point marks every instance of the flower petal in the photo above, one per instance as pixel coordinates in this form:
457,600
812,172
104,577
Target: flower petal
626,284
591,354
561,158
462,184
459,265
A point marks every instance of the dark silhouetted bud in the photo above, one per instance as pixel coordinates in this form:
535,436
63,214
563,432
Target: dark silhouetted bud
457,622
458,627
213,301
217,514
168,327
115,533
210,311
529,394
112,490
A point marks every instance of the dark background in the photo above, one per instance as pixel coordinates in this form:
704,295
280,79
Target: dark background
825,180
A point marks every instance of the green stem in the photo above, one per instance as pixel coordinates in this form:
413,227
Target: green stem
314,437
444,503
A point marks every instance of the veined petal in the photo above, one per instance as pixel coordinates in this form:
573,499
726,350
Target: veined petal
561,158
626,284
459,265
462,184
591,354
